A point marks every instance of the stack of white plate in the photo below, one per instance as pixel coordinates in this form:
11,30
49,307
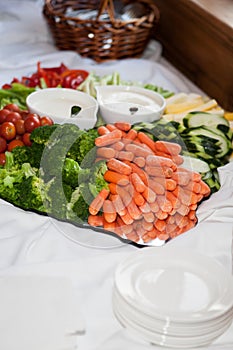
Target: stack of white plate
173,297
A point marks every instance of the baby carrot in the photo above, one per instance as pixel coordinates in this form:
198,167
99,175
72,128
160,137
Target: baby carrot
137,182
110,127
125,155
163,236
127,219
102,130
145,208
118,146
139,161
133,236
149,195
160,225
137,150
118,204
173,199
153,160
161,215
133,210
156,186
105,152
147,225
109,226
116,178
118,166
154,207
181,177
108,139
98,201
144,138
164,204
124,126
153,233
125,228
112,188
193,186
130,136
205,190
138,198
95,220
159,171
149,217
109,211
142,174
167,147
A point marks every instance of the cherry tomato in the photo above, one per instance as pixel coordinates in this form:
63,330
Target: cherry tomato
24,114
8,131
46,121
14,143
13,117
3,144
26,139
2,158
20,129
31,122
3,114
12,107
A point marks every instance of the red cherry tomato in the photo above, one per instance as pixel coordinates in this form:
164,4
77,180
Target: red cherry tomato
13,117
3,114
8,131
26,139
12,107
20,128
3,144
2,158
46,121
14,143
31,122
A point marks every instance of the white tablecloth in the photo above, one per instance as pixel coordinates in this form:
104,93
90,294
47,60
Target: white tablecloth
80,262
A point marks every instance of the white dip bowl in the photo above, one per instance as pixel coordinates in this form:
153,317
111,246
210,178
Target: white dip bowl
129,103
58,102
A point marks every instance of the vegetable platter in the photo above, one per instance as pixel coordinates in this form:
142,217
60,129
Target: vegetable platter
141,182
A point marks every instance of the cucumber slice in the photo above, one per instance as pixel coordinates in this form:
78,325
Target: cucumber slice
195,164
218,138
195,119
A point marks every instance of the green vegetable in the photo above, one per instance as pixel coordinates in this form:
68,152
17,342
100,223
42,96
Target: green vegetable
16,94
70,172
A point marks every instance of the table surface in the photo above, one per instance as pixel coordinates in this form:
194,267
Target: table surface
35,246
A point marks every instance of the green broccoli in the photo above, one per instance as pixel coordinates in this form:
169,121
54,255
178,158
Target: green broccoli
34,194
77,208
96,179
12,178
82,146
42,134
70,172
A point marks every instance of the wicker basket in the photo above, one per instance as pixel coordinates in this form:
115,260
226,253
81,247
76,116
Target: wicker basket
100,38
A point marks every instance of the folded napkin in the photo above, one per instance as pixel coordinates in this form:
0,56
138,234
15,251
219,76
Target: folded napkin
39,313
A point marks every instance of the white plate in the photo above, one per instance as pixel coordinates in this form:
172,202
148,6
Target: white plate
167,327
176,285
167,340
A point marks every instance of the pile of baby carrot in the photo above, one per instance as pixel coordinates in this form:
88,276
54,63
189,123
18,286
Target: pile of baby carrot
150,195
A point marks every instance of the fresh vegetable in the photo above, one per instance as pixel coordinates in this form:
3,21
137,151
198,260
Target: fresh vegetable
15,93
60,76
157,200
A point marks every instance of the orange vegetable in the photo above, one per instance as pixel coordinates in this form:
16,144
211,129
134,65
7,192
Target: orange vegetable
105,152
95,220
98,201
109,211
119,166
108,139
144,138
137,182
167,147
116,178
124,126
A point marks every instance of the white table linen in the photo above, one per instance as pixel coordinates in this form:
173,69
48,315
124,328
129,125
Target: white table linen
35,247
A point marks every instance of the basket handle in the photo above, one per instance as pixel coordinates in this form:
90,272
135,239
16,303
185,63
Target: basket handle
108,6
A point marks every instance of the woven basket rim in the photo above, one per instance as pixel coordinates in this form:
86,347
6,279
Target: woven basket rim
153,16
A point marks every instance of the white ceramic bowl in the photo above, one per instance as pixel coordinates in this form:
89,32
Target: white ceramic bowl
57,103
129,103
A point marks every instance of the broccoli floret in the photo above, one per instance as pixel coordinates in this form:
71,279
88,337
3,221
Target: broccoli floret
59,195
34,194
12,178
70,172
21,155
42,134
82,146
96,180
77,208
